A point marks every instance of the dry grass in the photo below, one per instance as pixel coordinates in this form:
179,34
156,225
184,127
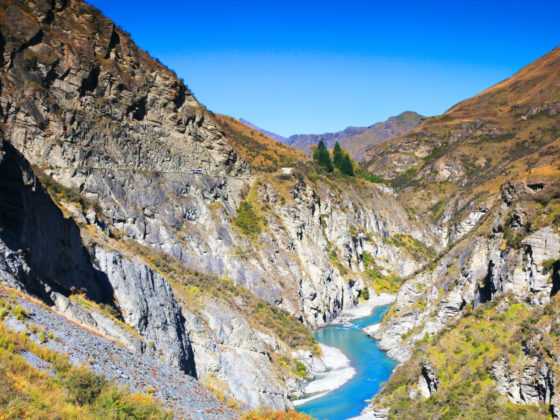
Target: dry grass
262,152
26,392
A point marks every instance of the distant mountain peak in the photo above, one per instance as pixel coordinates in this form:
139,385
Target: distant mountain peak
270,134
354,139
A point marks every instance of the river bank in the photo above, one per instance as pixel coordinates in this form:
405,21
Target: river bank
338,395
338,369
363,309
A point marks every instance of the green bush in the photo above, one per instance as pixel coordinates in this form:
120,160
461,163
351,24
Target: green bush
364,293
436,153
19,313
124,407
301,370
548,266
248,220
370,177
84,385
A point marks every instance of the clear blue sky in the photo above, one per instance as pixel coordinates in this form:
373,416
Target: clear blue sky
316,66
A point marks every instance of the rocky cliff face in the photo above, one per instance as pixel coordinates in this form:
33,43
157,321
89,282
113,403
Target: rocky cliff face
475,271
120,188
486,310
120,192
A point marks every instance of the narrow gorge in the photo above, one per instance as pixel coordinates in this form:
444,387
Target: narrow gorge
189,258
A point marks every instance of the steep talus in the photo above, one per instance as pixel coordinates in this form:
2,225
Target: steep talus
138,373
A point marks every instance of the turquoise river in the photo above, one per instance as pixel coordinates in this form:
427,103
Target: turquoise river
372,366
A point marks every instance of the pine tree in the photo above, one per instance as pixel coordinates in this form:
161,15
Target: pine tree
346,166
338,155
322,156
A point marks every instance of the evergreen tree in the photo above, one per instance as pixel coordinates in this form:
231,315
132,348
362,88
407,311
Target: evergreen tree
322,156
346,166
338,155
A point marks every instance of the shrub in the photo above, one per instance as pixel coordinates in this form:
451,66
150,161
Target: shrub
109,309
248,220
548,266
84,385
370,177
364,293
268,414
301,370
436,153
126,406
20,313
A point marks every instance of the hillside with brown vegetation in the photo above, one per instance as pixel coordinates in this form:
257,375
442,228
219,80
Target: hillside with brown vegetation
508,132
262,152
477,329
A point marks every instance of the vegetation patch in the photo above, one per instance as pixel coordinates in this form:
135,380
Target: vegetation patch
248,220
404,178
388,283
268,414
370,177
262,152
415,248
60,193
436,153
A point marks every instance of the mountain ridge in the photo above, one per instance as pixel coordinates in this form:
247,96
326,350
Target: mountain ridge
356,140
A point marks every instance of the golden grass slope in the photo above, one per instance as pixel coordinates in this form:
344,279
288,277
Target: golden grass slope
262,152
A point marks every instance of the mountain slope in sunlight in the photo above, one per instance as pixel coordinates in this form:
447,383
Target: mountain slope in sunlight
261,151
